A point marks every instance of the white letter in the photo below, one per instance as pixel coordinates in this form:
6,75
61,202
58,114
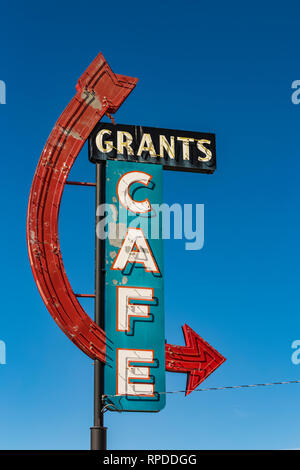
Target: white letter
169,147
146,139
135,249
203,149
125,309
121,143
124,197
126,372
185,146
99,141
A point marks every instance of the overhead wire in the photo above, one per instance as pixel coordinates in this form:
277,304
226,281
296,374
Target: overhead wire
227,387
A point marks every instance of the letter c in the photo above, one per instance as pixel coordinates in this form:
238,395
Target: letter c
124,197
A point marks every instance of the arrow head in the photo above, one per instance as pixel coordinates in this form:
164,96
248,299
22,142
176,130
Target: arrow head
208,359
198,359
101,87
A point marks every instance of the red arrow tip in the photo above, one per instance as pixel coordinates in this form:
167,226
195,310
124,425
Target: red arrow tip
198,359
208,359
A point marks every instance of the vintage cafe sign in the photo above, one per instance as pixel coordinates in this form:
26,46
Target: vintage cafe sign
135,156
131,343
134,375
182,150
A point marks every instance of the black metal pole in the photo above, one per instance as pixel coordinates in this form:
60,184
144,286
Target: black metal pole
98,431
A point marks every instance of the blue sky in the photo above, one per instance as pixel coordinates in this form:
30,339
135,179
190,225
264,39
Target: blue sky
206,66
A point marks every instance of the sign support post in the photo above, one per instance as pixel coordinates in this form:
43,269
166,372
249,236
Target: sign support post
98,431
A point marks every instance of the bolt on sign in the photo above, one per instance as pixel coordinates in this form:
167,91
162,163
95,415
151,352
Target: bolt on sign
134,294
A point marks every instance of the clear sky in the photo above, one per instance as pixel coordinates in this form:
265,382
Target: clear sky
223,67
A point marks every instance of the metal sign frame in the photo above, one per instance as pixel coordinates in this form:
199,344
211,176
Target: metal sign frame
174,149
134,290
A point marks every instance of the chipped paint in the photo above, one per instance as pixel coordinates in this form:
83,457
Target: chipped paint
32,237
61,150
65,168
93,99
70,132
116,233
114,213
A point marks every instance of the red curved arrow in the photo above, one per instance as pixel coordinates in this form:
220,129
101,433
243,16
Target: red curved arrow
198,359
99,91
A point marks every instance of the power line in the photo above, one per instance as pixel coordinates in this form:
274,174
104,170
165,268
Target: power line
228,387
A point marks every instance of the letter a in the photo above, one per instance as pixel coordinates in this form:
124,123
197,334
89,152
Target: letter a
135,249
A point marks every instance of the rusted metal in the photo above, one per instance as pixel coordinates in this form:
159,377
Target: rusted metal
198,359
99,91
111,118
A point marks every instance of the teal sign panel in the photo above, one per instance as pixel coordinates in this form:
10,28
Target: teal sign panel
134,373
